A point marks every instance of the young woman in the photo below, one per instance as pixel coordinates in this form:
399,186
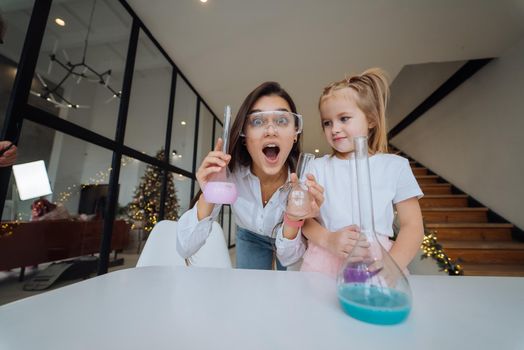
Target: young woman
263,152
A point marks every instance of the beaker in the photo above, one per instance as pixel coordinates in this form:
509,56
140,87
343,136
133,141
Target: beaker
370,285
220,189
299,199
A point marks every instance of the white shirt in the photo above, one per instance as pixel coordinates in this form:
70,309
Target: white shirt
392,181
248,211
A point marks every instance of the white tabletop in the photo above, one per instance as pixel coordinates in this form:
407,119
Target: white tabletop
191,308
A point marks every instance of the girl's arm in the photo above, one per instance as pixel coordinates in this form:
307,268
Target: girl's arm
411,232
339,243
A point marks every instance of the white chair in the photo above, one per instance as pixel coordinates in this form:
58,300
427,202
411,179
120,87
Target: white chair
160,248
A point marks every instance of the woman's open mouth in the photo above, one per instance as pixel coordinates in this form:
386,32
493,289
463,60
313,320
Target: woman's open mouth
271,152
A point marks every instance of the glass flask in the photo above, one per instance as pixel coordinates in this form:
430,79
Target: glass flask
299,200
370,285
220,189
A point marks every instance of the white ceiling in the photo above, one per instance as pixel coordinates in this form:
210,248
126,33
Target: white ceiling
227,47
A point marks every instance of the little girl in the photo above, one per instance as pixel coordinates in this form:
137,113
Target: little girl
348,108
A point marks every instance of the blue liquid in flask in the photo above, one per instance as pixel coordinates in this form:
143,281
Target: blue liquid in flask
377,305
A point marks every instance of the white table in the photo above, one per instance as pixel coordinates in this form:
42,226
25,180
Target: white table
191,308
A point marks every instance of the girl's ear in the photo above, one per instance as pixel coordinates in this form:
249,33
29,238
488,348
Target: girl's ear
372,124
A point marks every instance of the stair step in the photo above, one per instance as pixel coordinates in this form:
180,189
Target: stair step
438,188
511,270
485,249
485,252
444,201
471,231
440,215
427,179
417,171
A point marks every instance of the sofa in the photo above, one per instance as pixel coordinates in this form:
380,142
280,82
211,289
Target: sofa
33,243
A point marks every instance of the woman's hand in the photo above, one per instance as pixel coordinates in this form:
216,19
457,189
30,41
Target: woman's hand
9,157
213,163
316,193
295,206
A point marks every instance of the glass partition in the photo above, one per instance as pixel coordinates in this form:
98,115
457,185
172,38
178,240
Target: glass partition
183,130
74,101
62,226
80,68
15,16
149,104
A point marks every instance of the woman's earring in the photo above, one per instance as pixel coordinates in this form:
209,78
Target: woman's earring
295,140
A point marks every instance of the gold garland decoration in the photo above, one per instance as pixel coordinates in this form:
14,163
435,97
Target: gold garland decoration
432,249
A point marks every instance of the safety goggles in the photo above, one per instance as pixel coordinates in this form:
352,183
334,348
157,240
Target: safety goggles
282,122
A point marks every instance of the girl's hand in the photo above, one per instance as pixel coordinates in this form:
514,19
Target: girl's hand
213,163
342,242
317,193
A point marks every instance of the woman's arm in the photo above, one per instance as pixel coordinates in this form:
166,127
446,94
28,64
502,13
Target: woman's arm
194,226
289,243
193,232
290,231
204,208
213,163
411,232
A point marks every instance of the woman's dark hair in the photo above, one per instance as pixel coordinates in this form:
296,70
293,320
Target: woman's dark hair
237,147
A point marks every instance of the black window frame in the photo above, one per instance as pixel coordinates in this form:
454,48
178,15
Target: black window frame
19,109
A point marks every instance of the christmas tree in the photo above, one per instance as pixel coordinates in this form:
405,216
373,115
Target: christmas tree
145,206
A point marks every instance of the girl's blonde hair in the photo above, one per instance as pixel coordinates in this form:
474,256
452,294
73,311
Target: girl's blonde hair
372,89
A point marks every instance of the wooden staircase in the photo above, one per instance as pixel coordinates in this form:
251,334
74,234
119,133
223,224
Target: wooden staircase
467,232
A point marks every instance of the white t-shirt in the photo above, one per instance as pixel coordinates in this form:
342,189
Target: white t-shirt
248,211
392,181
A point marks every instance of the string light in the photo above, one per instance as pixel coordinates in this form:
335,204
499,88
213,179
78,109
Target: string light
145,207
101,177
432,249
6,228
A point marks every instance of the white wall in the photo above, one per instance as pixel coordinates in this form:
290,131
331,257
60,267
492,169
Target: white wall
414,84
473,137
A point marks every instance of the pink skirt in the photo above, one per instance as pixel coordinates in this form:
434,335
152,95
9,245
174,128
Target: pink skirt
318,259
